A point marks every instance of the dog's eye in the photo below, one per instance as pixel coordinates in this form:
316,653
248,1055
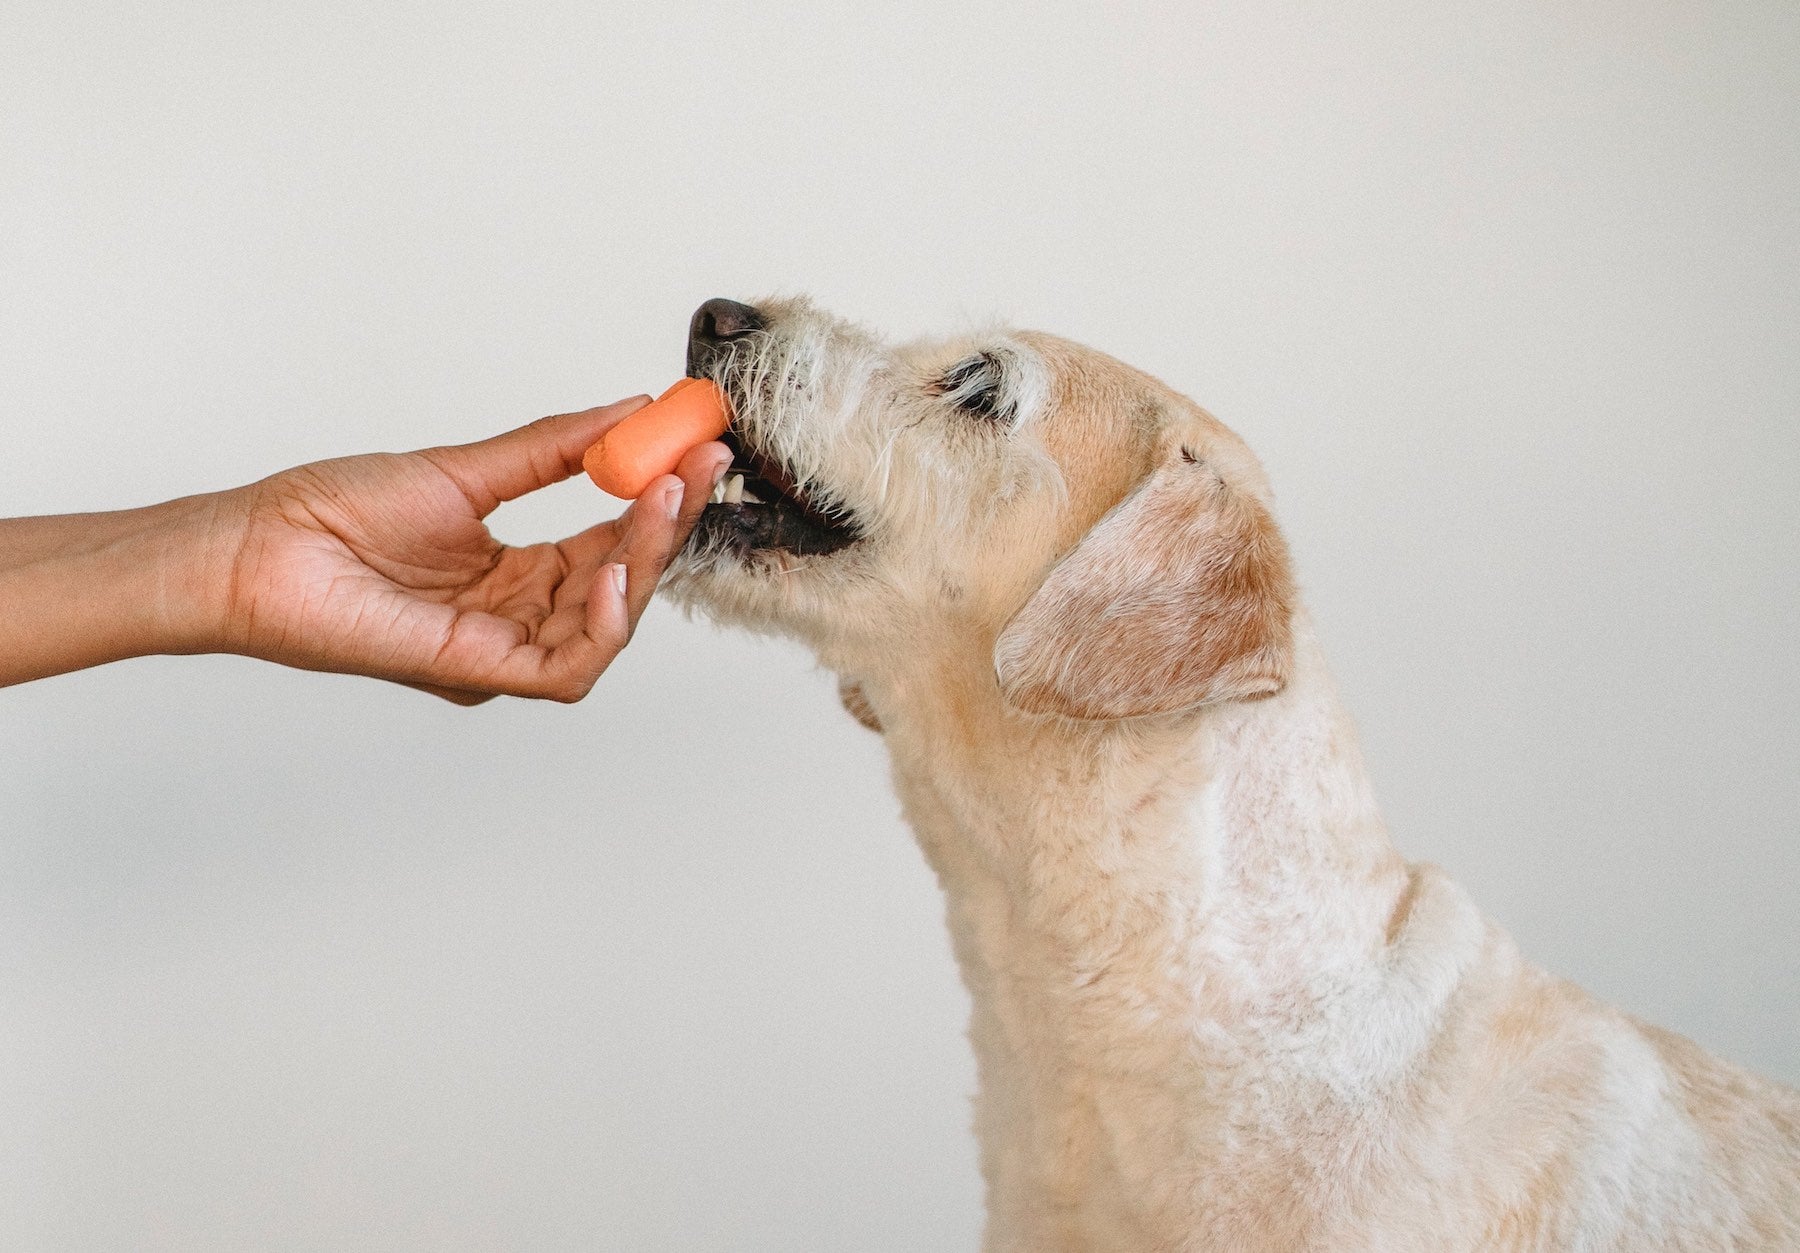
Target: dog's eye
974,385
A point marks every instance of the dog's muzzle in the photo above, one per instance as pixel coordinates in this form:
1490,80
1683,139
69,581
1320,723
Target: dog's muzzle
759,506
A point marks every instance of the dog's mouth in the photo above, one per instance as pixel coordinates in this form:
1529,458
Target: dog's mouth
758,506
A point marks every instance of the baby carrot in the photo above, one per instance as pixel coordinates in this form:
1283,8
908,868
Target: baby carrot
653,440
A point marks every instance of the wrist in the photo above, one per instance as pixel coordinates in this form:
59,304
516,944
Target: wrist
184,552
83,589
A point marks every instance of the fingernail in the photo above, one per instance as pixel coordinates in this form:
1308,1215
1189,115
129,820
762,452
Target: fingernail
719,470
672,498
618,578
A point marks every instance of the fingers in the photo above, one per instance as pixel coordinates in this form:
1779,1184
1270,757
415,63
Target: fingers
568,671
653,531
565,668
532,456
609,620
660,521
597,608
701,469
638,536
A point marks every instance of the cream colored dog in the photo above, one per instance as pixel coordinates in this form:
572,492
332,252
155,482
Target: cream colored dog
1213,1007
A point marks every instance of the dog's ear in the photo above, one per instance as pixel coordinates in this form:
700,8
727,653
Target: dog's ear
851,694
1180,596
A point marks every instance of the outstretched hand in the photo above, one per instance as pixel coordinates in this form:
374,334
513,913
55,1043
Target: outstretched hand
382,565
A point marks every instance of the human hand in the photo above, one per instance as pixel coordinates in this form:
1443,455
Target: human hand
382,565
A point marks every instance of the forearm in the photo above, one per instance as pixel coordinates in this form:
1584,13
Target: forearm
77,590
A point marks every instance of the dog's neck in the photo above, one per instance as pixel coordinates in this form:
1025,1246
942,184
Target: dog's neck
1075,836
1129,895
1186,906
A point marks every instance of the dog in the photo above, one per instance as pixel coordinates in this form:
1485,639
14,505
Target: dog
1214,1009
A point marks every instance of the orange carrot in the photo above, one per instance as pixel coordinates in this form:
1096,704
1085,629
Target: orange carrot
653,440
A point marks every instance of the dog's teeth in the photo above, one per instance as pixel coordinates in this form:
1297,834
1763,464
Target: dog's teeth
718,493
751,498
734,490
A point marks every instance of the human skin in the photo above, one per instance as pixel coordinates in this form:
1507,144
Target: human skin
379,565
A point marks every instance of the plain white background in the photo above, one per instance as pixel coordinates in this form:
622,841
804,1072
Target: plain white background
1504,295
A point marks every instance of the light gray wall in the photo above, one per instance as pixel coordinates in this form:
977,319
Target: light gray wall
1505,296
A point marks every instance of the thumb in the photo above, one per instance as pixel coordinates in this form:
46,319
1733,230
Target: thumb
532,456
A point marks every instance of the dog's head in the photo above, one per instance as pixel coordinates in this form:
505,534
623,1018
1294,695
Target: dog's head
1101,545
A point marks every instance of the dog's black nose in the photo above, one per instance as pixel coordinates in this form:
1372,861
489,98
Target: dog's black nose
719,320
714,325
